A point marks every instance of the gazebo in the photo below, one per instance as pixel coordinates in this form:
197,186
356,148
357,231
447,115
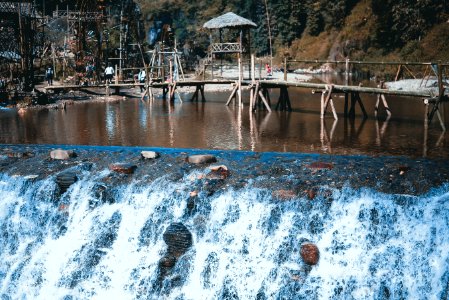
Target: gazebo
229,21
232,21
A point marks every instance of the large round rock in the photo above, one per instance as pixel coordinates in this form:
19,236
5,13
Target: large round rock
65,180
310,253
178,238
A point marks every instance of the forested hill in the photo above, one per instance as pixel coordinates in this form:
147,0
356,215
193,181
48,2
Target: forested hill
359,29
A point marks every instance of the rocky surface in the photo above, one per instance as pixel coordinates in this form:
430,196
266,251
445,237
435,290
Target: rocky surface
286,174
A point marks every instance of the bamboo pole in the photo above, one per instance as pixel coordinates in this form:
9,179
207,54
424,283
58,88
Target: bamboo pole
240,80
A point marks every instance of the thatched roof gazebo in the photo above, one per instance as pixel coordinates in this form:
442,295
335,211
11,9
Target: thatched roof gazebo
228,21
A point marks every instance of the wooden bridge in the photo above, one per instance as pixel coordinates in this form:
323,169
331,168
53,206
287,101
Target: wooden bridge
261,89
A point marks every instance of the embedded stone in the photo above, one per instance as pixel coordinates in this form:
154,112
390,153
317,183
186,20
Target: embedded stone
320,165
403,169
284,194
311,193
201,159
218,172
167,261
310,253
149,154
20,154
178,239
123,168
62,154
65,180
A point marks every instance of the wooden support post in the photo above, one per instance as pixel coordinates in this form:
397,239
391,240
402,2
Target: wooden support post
352,109
267,96
281,101
256,96
204,71
347,71
440,81
116,77
325,102
253,81
240,79
234,91
107,90
384,101
346,104
398,73
280,105
253,69
426,128
173,89
285,68
203,98
195,94
362,107
264,101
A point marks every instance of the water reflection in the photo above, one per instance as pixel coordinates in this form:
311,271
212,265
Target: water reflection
381,131
326,139
110,121
213,125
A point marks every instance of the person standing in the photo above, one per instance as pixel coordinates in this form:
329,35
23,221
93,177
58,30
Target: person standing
89,73
108,74
2,84
49,75
142,77
268,69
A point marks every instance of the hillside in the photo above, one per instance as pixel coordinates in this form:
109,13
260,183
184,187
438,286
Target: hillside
364,29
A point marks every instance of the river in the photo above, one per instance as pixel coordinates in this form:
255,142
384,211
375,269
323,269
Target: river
212,125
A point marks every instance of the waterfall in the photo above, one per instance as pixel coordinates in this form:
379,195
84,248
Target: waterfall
95,241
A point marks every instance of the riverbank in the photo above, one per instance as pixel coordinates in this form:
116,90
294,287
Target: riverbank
288,175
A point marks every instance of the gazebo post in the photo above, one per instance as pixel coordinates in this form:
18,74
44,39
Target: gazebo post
249,53
221,56
239,55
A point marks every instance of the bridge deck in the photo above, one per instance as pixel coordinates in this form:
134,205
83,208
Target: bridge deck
263,83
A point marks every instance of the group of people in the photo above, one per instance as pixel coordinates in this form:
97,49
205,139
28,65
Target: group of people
90,71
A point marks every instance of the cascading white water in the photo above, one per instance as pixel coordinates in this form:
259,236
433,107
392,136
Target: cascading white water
246,244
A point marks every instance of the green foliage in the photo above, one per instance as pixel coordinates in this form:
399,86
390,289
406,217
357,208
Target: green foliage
398,26
401,21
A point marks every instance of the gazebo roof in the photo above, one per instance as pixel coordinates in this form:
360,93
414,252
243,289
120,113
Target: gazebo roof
228,20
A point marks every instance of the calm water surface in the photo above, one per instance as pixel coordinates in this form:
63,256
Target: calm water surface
213,125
